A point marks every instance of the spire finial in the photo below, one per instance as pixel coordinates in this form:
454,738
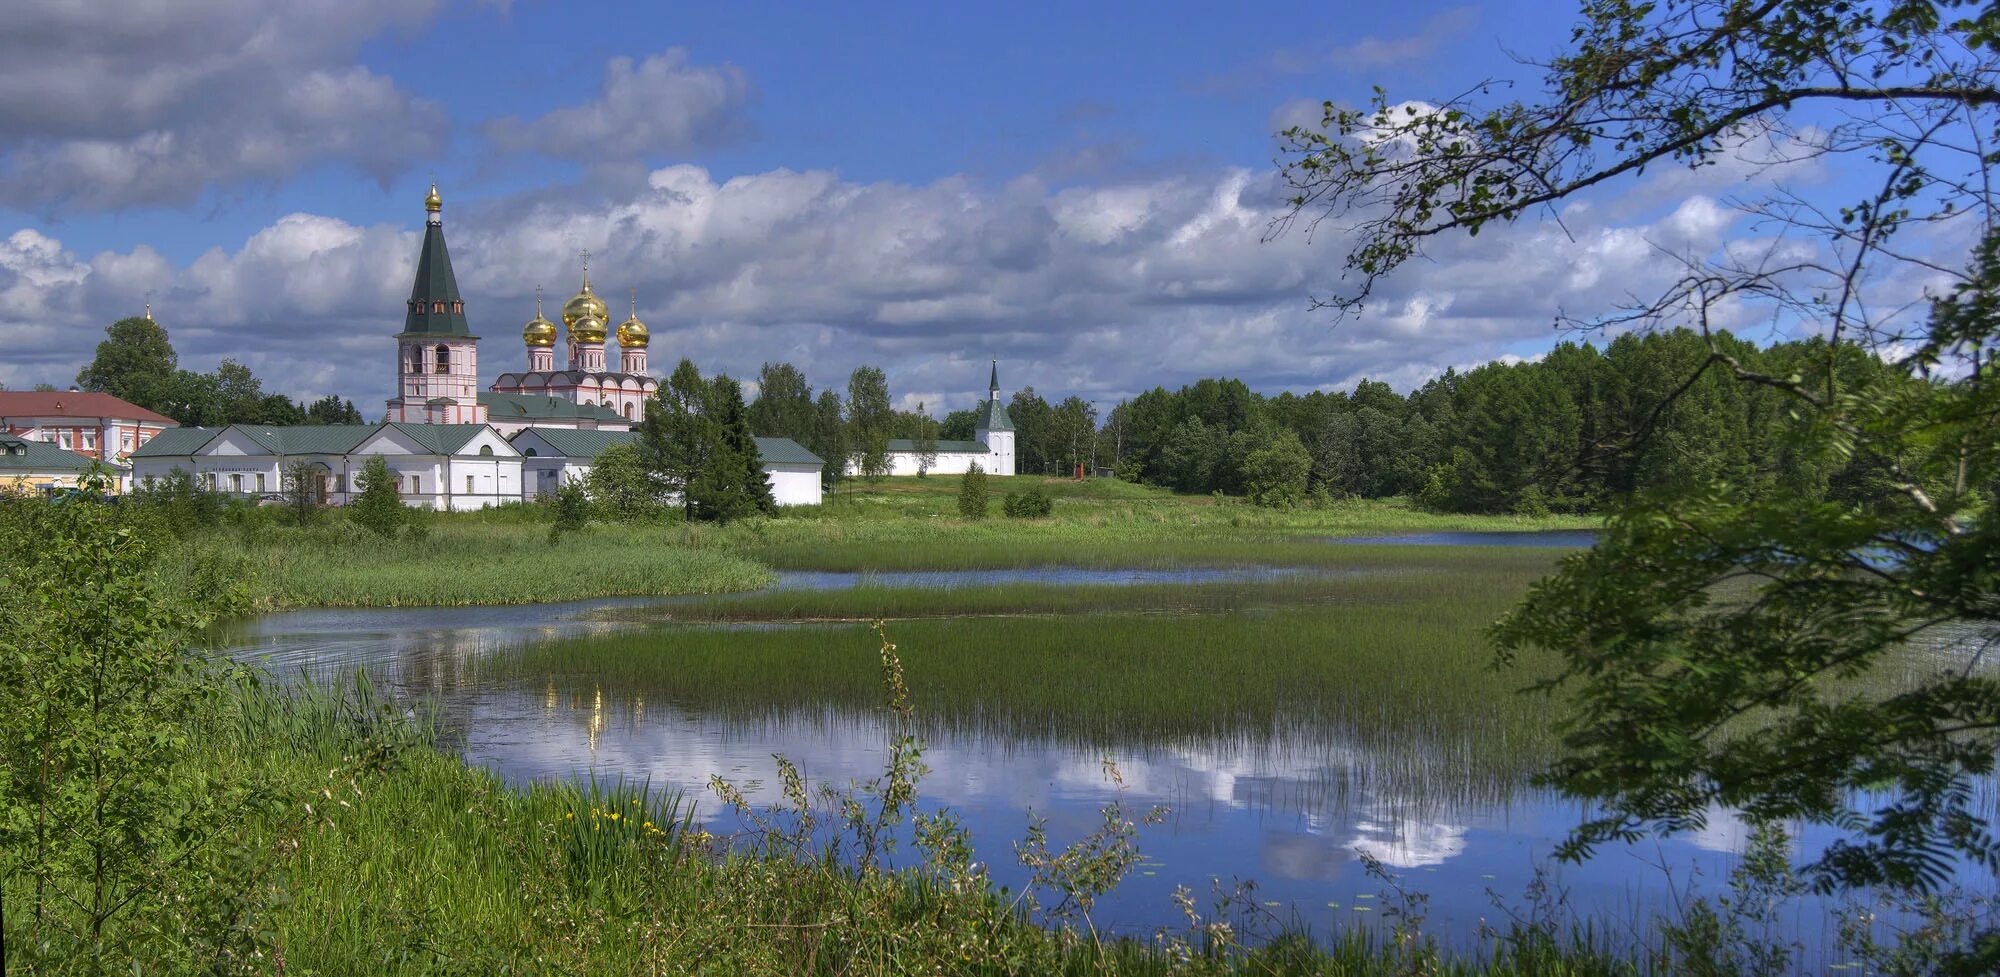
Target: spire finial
586,269
149,305
432,202
993,383
538,301
635,303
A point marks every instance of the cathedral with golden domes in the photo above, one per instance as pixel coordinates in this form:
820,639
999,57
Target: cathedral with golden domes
438,357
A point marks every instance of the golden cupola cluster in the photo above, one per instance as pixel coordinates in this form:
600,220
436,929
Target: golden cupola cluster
585,314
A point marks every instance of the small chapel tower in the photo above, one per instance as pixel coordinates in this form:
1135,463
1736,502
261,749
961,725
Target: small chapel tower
995,429
437,354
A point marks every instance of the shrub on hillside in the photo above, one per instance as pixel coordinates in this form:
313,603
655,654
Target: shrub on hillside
1032,504
972,493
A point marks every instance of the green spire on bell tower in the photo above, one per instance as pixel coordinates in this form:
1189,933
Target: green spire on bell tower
435,309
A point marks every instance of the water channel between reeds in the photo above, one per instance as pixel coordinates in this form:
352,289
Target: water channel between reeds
1289,803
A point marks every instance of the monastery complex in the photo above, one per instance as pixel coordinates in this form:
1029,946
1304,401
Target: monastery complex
449,443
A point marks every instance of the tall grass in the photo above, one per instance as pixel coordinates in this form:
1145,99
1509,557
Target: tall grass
487,561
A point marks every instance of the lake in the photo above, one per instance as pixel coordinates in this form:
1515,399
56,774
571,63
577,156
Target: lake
1290,806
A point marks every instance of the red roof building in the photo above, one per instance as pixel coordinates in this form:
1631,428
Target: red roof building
93,425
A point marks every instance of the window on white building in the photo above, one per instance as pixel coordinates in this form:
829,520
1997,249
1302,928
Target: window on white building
260,482
90,439
125,442
63,439
468,485
236,483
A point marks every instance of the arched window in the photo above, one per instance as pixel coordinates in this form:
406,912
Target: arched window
628,412
437,307
530,453
485,451
457,307
444,359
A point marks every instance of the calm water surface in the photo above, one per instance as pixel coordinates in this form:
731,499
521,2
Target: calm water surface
1556,538
1290,810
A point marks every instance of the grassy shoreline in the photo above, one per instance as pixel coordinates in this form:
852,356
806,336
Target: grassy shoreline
505,556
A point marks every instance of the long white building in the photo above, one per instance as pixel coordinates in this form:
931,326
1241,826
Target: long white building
991,447
436,466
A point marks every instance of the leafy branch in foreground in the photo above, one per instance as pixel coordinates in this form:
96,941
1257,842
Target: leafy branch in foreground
1712,646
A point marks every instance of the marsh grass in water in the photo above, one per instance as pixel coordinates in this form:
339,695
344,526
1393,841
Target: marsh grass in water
473,561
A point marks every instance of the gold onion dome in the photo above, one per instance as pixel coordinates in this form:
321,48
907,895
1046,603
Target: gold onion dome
433,202
539,332
633,334
588,329
586,303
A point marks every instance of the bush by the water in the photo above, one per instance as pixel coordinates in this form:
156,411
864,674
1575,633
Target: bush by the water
1031,504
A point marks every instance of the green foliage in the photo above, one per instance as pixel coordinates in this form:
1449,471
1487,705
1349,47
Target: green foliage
621,487
731,483
378,507
119,851
572,510
681,436
784,405
304,491
1274,473
972,493
178,503
132,362
869,417
1030,504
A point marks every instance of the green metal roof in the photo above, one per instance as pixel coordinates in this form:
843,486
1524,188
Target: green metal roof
905,444
992,416
576,443
176,442
435,283
443,439
502,407
308,439
22,455
785,451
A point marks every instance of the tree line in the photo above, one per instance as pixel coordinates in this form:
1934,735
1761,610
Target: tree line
137,363
1570,432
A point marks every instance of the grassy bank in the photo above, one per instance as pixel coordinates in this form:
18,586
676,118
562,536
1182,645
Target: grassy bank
505,557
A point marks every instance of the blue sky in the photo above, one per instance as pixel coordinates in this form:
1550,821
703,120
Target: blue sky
1080,190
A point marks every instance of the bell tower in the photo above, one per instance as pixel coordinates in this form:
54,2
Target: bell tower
437,356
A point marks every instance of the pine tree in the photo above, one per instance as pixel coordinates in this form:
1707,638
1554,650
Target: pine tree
730,484
678,436
972,493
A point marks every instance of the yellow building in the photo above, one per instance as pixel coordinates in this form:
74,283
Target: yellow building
32,466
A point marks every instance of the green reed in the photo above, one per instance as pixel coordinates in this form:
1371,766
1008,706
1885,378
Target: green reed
474,562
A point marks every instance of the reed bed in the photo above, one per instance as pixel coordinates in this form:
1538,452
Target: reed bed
476,562
1405,684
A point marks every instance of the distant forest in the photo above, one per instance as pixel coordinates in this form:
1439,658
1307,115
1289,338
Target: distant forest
1566,433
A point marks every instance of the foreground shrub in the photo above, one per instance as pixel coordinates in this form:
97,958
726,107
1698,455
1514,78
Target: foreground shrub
1032,504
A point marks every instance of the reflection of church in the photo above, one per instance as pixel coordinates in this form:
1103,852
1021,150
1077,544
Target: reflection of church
438,358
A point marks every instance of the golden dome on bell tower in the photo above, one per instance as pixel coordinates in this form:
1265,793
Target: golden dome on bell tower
539,332
432,202
633,334
585,303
